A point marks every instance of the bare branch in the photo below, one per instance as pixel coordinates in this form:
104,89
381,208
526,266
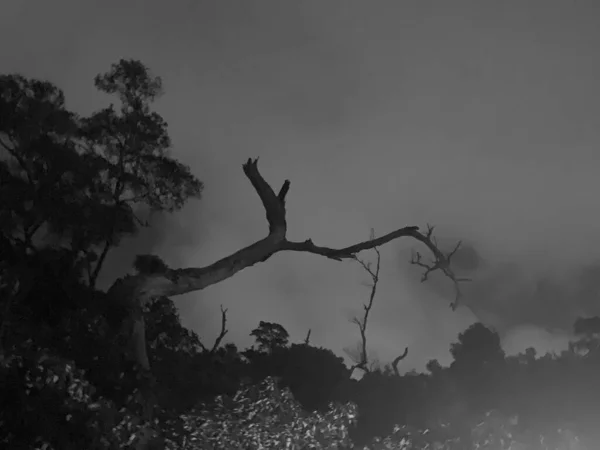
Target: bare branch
307,338
221,335
398,359
182,281
440,262
203,347
283,191
351,251
274,205
223,331
355,355
363,357
138,289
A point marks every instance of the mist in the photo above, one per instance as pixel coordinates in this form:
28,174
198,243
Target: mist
480,119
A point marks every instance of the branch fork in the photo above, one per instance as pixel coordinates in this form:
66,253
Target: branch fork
136,289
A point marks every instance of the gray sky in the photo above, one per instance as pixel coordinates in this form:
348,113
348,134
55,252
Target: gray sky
479,117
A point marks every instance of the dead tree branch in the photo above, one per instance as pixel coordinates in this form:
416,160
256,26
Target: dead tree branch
223,331
307,338
135,290
362,360
397,360
440,262
221,335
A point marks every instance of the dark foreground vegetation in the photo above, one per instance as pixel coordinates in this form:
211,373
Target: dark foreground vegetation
85,369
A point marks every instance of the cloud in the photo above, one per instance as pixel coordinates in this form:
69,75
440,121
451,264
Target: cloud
527,305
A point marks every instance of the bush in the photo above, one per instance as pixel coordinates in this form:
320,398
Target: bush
265,417
49,404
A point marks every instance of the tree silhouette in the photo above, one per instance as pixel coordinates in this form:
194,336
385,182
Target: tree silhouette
587,331
478,364
270,336
131,146
476,347
315,376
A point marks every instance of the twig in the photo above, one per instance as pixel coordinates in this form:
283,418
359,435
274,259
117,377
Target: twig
362,360
440,262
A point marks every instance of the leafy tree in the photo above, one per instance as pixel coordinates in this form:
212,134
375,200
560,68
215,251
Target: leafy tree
76,183
131,148
47,182
434,367
476,347
43,178
478,364
70,188
270,336
49,403
185,370
587,331
315,375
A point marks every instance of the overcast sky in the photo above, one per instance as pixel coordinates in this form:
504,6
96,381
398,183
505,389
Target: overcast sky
479,117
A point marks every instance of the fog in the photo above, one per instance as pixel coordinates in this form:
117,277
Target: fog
482,119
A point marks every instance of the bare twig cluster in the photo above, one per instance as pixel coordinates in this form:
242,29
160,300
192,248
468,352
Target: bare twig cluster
440,262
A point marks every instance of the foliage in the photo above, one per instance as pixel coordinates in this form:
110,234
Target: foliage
314,375
185,372
267,417
476,347
70,188
133,143
150,264
270,336
48,403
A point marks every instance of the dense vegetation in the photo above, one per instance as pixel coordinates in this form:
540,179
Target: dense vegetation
71,188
